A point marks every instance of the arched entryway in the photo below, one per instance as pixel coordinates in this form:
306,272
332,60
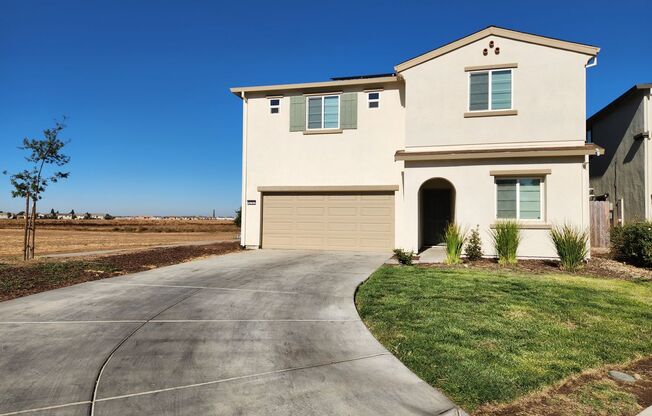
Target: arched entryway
436,210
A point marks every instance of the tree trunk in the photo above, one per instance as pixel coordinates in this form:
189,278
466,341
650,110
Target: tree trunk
33,248
26,238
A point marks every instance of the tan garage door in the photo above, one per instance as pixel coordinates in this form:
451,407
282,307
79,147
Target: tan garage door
329,221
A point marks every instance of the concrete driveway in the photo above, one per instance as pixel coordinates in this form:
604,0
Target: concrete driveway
251,333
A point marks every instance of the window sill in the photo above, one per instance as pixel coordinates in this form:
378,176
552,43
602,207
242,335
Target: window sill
529,226
324,131
490,113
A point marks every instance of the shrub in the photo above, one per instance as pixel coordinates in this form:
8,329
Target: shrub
506,237
571,246
633,243
474,245
404,257
454,237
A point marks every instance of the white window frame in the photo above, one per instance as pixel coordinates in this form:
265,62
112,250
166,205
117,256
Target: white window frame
373,100
271,106
323,97
542,181
490,72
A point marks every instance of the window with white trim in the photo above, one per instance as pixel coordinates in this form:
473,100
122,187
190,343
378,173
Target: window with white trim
274,105
490,90
323,112
519,198
373,99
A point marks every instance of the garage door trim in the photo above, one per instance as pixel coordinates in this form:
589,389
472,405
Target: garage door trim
328,220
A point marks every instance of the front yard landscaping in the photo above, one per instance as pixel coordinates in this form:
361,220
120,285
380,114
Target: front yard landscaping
487,337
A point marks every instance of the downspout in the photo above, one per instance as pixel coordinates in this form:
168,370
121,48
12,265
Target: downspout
646,155
243,212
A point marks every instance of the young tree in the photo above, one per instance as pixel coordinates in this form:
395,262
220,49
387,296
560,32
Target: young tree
30,183
53,215
238,217
73,215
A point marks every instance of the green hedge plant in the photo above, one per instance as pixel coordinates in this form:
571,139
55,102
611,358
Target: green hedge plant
454,237
572,246
404,257
632,243
506,237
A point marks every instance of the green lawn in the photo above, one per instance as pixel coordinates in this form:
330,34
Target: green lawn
484,336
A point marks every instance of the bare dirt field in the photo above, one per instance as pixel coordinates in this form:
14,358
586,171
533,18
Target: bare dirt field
61,236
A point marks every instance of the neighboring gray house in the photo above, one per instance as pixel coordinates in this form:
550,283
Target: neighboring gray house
622,128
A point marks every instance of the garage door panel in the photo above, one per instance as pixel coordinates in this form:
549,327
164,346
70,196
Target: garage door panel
316,211
376,227
309,226
343,197
331,221
375,211
342,211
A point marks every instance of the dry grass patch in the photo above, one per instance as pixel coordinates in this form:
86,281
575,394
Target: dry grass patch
86,235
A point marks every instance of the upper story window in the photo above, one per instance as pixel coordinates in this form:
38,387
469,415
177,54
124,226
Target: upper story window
490,90
519,198
373,99
274,105
323,112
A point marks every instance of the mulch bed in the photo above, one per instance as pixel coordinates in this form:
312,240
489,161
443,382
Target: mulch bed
597,266
547,402
24,279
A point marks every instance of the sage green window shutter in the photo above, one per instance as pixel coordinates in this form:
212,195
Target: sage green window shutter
297,113
349,111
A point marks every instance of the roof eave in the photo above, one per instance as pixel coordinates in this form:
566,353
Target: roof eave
312,86
501,32
616,101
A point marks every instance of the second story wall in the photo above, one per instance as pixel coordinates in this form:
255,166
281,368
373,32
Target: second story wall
548,94
363,155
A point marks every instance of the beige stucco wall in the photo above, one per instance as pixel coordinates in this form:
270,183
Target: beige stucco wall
548,93
277,157
565,198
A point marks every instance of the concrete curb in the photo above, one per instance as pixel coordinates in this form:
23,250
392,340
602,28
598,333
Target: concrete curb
453,411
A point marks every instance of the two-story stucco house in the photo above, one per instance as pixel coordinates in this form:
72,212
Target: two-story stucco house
487,127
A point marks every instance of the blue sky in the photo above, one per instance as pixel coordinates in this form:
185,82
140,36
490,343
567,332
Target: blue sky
153,127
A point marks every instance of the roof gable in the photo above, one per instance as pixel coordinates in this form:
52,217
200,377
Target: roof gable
505,33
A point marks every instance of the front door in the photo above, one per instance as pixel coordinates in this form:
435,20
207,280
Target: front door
435,215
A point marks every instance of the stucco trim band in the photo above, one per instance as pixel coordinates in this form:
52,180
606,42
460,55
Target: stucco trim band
488,67
529,226
492,113
343,188
322,131
520,172
525,152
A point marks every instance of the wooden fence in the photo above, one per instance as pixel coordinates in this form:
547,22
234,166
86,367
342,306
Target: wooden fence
600,223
